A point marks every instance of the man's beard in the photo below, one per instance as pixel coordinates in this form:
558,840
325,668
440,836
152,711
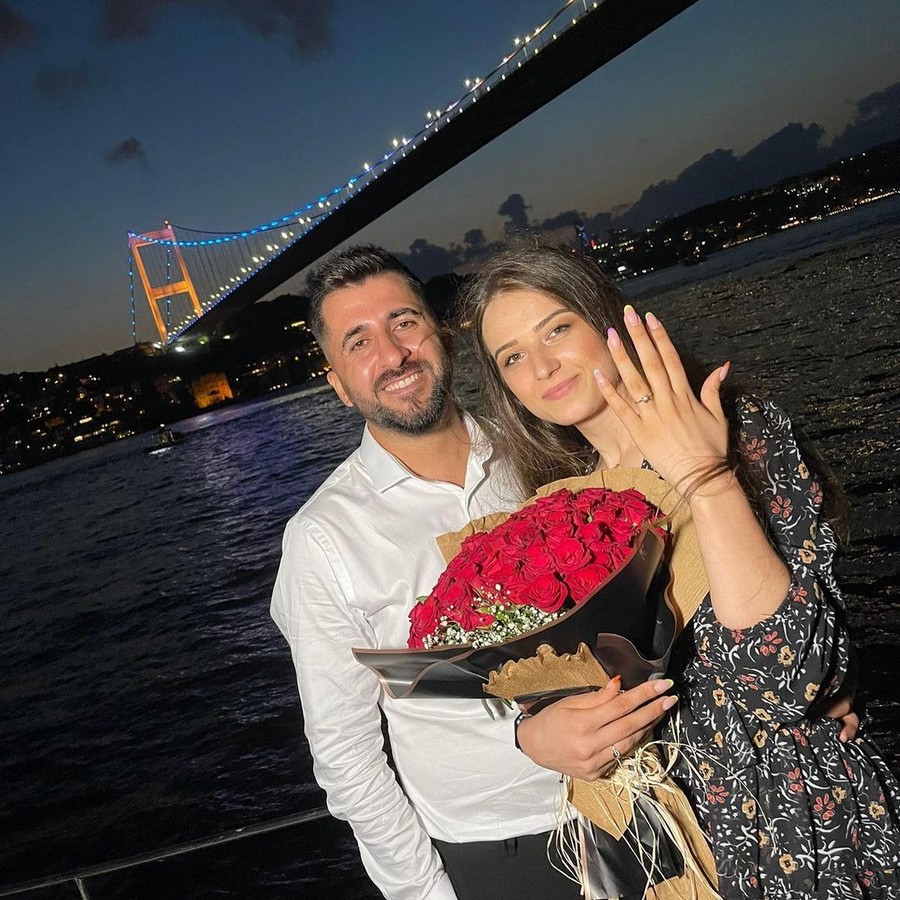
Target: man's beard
420,415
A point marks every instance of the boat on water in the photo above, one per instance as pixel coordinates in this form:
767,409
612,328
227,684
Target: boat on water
166,439
695,258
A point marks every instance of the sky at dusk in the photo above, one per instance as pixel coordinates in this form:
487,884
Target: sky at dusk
117,115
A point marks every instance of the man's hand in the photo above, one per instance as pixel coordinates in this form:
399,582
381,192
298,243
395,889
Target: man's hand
840,705
576,735
841,709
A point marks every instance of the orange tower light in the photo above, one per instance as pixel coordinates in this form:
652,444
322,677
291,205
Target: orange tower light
155,294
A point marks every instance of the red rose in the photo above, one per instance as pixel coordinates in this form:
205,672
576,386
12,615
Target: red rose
520,534
452,594
583,582
570,554
559,533
603,516
588,532
555,516
560,499
635,509
515,588
424,618
619,554
585,501
550,510
536,560
498,570
470,618
601,554
622,531
470,544
546,593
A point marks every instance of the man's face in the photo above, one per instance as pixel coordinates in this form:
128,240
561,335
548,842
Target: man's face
386,354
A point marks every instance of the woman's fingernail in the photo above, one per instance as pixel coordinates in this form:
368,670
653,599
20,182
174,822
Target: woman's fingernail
631,317
613,339
601,378
669,702
723,372
663,685
652,321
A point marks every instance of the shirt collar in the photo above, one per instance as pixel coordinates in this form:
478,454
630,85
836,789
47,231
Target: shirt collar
386,470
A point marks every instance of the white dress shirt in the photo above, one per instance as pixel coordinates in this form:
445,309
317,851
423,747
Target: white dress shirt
355,558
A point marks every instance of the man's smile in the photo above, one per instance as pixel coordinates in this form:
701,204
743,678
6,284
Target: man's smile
401,383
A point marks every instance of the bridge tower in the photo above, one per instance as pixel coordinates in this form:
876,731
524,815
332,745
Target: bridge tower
172,288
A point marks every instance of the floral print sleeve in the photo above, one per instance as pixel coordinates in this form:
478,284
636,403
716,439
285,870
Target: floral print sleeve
776,670
792,812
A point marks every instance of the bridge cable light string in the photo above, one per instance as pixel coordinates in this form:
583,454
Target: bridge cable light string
340,193
131,293
367,169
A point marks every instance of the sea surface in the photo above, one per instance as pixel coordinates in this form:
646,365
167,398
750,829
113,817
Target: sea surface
146,697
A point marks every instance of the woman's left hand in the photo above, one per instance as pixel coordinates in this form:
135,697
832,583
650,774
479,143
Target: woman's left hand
681,436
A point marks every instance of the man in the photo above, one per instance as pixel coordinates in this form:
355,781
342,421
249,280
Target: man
472,817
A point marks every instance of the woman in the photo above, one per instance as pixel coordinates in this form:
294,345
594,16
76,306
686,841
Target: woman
792,811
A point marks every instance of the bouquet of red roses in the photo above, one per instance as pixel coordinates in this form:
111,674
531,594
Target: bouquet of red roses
576,584
543,561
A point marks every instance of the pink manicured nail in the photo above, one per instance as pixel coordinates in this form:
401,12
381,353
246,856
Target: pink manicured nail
662,685
723,372
652,321
631,317
613,339
669,702
601,378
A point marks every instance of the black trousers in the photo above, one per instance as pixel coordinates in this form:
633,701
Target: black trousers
515,869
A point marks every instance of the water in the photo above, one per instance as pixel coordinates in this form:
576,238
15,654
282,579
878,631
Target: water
147,698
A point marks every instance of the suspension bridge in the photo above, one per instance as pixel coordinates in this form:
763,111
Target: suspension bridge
193,280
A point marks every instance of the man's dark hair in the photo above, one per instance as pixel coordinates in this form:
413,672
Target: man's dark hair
350,267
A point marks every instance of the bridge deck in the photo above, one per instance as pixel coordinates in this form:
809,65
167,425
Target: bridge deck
601,35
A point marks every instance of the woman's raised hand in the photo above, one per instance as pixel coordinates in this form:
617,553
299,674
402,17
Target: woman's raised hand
684,438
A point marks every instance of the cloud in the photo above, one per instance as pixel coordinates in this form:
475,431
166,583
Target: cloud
16,31
711,177
792,150
561,220
514,208
62,85
877,121
129,150
428,260
474,238
306,23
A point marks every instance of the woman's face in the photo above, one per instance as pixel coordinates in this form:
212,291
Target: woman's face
546,354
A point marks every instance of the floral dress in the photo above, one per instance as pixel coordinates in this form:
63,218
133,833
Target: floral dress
792,813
